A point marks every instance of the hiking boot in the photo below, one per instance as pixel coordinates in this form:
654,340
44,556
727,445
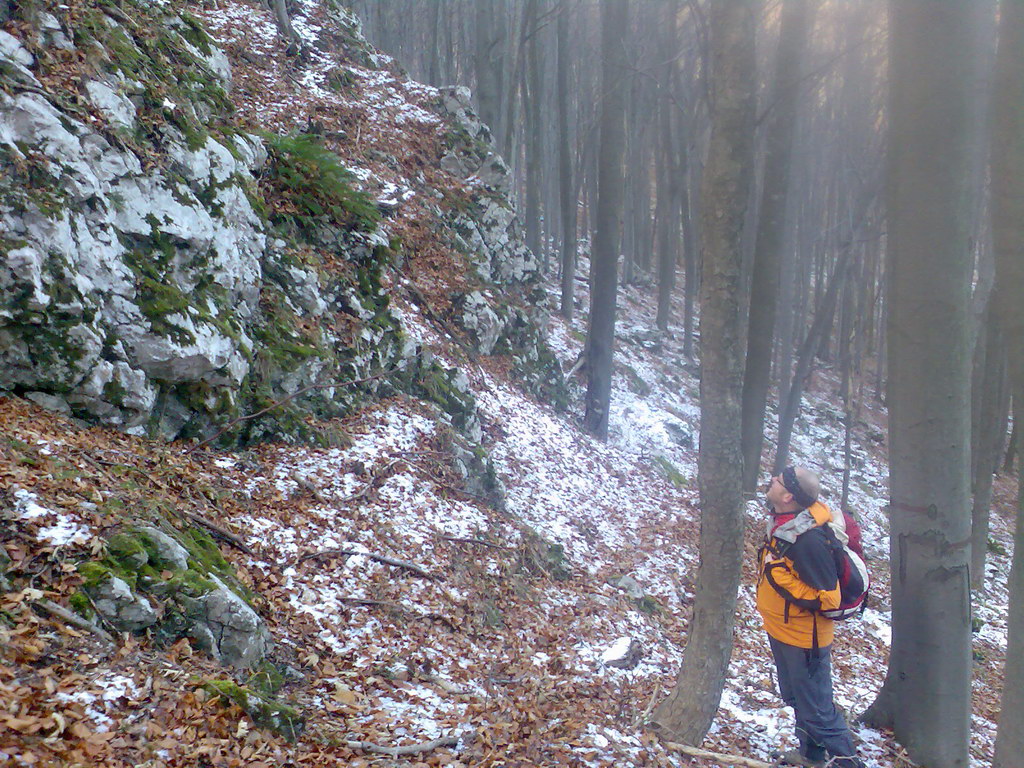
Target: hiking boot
795,757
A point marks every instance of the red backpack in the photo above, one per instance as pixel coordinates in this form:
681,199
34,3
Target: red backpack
854,581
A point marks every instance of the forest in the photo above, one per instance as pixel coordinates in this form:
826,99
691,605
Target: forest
834,183
403,382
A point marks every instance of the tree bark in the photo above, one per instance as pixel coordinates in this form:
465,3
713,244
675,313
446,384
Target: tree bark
988,434
608,235
1007,170
771,230
687,713
926,695
566,183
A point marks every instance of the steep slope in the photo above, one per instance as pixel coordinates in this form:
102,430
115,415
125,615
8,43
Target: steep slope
410,591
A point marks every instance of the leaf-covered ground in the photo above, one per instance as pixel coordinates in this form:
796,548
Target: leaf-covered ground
507,632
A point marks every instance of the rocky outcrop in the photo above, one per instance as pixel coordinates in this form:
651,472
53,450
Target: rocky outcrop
178,585
146,283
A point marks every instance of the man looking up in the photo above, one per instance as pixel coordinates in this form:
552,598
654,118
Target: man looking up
798,578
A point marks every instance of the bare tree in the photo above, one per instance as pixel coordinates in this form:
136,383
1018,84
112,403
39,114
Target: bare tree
926,694
687,713
1007,169
771,224
607,240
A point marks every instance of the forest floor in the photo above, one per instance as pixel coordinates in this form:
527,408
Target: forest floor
511,643
516,632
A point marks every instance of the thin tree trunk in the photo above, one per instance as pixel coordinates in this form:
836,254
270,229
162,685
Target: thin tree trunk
687,713
771,229
805,361
566,182
611,183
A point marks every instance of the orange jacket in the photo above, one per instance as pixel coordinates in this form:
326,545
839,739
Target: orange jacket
804,551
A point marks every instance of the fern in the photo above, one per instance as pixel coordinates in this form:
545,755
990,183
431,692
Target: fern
306,184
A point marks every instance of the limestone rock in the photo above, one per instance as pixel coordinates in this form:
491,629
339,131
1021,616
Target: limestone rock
241,637
125,610
169,552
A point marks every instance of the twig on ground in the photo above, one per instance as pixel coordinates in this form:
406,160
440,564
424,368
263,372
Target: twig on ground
74,619
411,749
219,532
422,572
292,396
718,757
650,705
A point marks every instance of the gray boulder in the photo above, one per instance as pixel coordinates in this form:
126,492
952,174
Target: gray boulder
122,608
239,634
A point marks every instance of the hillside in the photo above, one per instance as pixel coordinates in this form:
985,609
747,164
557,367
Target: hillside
443,561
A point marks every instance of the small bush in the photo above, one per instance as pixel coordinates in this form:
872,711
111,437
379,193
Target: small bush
306,184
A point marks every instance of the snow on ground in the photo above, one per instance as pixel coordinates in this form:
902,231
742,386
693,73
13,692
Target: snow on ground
519,638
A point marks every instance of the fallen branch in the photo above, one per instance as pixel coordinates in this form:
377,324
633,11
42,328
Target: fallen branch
411,749
650,705
379,558
281,402
733,760
219,532
74,619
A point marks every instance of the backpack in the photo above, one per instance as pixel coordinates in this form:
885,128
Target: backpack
854,581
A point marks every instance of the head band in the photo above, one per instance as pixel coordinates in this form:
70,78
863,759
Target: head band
791,484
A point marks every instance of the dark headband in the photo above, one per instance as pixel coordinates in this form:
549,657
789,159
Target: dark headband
791,484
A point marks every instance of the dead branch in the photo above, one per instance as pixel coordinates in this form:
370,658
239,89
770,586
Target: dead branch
650,705
422,572
411,749
580,362
74,619
732,760
292,396
220,533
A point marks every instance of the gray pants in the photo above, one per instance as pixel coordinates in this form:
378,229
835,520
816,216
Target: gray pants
805,683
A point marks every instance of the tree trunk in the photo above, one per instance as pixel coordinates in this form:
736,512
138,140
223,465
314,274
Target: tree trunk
805,361
486,91
535,96
611,183
987,440
1007,170
687,713
668,182
926,696
566,183
771,230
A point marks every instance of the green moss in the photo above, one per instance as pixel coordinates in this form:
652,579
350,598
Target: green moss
648,605
264,711
268,679
127,550
81,605
95,574
677,478
995,547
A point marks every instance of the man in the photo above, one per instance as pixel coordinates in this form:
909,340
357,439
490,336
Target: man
798,578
